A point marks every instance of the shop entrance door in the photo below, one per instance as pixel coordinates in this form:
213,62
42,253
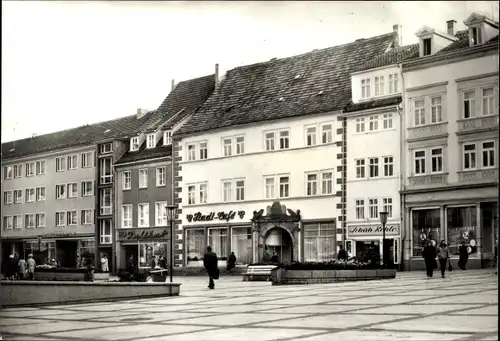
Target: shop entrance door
66,251
278,241
361,247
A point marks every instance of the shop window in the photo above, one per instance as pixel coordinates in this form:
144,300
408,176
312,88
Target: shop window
217,239
86,250
149,254
319,242
462,227
426,226
241,244
195,246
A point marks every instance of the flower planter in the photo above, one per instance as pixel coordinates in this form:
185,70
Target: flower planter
159,275
280,276
101,276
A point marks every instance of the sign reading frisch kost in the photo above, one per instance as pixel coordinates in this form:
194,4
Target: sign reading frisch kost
144,234
372,230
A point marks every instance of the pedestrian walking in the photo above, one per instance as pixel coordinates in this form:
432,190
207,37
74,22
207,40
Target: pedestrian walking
21,268
429,254
342,255
463,256
231,263
210,264
104,264
31,267
443,255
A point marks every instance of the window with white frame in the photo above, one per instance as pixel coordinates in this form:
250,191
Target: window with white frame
143,214
105,169
151,141
488,154
284,182
18,171
60,191
311,136
379,86
134,143
40,194
87,159
203,146
202,191
387,121
393,83
436,109
40,167
469,156
105,231
227,190
8,222
436,160
360,209
240,145
143,178
360,168
87,188
270,139
191,152
419,112
72,162
72,217
72,190
227,145
8,172
326,133
476,35
387,206
269,187
360,125
161,176
240,189
365,88
419,162
87,217
29,221
167,137
60,218
373,123
106,148
284,139
30,195
373,208
388,165
373,167
18,196
18,222
40,220
469,104
8,197
161,213
106,206
30,168
487,101
312,184
327,182
126,180
191,191
126,216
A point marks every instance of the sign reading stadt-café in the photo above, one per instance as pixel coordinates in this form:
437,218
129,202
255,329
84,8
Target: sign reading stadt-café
144,234
372,230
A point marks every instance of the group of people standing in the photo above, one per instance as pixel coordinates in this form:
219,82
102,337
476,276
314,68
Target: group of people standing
442,252
19,268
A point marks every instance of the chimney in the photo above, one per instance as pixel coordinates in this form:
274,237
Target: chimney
451,27
173,84
141,112
216,75
398,35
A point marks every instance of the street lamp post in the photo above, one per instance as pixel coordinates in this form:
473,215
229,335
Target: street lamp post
171,217
383,220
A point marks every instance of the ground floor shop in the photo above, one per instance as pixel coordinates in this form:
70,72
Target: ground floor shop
456,216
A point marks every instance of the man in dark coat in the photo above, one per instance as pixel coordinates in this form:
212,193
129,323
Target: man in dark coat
342,254
210,264
429,253
231,263
463,256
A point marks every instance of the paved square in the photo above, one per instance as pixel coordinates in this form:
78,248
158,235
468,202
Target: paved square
464,307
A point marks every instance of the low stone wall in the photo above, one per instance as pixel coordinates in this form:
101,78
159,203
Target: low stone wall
59,276
29,293
280,276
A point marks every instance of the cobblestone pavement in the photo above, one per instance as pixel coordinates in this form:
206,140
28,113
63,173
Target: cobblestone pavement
463,306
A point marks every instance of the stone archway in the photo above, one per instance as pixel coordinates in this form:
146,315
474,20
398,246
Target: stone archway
279,242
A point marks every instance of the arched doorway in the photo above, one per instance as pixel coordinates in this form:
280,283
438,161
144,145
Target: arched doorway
278,240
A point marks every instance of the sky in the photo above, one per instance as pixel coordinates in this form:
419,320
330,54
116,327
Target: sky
66,64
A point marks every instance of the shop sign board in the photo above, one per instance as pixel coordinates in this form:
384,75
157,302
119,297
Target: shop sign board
211,216
372,230
144,234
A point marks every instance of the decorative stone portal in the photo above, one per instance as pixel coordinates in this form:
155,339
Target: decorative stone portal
276,232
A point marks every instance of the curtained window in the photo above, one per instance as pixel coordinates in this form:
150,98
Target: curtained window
426,226
217,239
195,241
241,244
319,242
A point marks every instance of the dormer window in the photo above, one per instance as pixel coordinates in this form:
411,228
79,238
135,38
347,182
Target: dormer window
427,43
167,138
151,141
476,36
134,143
365,88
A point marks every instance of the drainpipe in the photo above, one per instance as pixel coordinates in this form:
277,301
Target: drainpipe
402,167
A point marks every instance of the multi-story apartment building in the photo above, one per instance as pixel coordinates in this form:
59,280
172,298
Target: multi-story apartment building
451,141
144,179
373,141
259,166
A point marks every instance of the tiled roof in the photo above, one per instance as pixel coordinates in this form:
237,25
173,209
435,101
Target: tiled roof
74,137
377,103
393,56
314,82
144,154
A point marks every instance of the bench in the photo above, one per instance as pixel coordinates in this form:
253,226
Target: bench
258,273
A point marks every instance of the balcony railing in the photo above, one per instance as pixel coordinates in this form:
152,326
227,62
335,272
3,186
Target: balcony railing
429,180
480,175
427,131
478,124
